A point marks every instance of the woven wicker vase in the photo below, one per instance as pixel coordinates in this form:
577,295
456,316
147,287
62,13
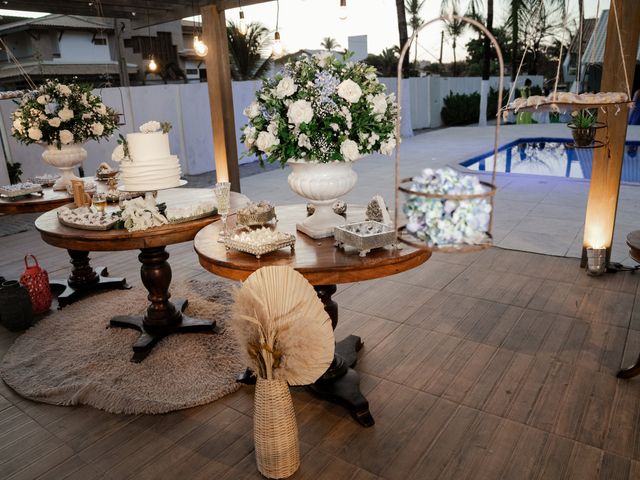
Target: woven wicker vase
275,431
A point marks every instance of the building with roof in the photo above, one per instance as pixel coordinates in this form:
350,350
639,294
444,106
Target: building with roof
593,57
94,50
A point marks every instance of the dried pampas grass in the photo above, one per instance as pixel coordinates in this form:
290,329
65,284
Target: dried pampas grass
282,322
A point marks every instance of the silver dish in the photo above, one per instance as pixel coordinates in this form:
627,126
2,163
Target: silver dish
259,250
364,236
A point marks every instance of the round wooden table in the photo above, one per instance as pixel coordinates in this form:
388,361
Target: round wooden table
84,278
323,265
633,241
162,316
36,203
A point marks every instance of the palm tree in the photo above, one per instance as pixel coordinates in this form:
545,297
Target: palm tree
329,43
250,54
453,28
413,9
386,63
402,33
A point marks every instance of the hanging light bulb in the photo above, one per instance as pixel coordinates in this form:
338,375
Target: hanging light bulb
242,26
277,46
200,47
343,12
153,66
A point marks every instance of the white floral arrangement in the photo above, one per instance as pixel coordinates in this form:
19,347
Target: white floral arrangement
59,114
137,214
121,152
440,222
320,109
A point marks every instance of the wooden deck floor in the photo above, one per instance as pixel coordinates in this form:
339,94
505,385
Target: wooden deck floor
497,365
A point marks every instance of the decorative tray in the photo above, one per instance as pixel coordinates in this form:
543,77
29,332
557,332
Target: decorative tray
104,221
364,236
243,243
45,180
103,177
192,217
19,190
256,214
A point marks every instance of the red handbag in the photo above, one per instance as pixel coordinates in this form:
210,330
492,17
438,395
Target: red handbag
36,281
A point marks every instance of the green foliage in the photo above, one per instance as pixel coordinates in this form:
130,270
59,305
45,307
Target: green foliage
386,64
582,118
14,171
464,109
250,54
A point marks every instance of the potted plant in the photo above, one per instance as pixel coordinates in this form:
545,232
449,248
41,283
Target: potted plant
319,115
583,127
62,118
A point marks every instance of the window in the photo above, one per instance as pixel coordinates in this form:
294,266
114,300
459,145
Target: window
192,71
99,41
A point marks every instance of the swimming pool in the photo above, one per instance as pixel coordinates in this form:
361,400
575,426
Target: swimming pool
549,156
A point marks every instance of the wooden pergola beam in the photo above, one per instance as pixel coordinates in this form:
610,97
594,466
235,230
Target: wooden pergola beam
607,169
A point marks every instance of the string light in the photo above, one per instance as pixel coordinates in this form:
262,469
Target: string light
277,45
199,46
153,66
242,26
343,12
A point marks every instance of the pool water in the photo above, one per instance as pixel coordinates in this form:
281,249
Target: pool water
550,156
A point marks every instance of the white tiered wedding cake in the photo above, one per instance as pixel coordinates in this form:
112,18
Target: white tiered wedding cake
145,159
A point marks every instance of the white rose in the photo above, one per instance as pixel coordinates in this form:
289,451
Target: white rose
55,122
118,153
43,99
299,112
101,108
17,125
286,87
272,128
66,137
35,133
65,114
63,90
387,146
350,91
97,128
249,136
349,150
379,104
150,127
265,141
335,127
252,110
322,57
84,101
87,116
371,76
303,141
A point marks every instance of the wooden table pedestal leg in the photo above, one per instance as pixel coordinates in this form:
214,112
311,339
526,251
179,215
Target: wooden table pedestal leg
631,371
84,279
341,383
162,317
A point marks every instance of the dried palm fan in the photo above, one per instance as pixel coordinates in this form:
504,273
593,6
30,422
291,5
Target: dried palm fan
282,322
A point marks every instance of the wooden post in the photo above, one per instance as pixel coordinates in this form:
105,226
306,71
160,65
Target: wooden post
220,96
606,171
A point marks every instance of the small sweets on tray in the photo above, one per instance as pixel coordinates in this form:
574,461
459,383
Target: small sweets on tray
86,218
256,214
46,180
364,236
19,189
260,241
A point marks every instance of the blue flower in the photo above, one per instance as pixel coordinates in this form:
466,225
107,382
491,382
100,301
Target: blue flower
50,108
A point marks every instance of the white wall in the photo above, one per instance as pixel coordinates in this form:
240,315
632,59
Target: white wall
78,47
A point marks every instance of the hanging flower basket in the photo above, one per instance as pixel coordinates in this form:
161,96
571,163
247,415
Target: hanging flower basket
446,211
447,222
585,137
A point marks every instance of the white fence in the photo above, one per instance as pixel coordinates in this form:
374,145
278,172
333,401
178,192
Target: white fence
186,107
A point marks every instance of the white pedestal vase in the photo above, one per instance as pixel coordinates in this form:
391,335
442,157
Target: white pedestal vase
321,184
64,159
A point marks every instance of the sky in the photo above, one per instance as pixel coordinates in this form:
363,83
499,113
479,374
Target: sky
304,23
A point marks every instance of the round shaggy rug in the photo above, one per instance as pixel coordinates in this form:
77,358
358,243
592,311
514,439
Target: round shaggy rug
72,358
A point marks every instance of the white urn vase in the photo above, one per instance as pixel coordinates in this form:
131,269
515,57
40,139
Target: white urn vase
65,159
321,184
